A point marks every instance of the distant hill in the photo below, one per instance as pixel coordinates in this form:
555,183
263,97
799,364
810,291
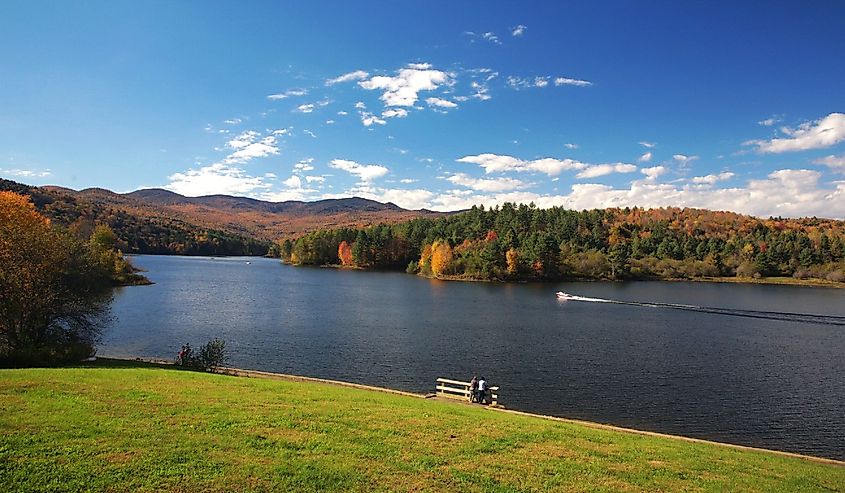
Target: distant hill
139,229
160,221
269,221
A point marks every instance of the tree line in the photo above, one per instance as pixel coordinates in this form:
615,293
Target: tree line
523,242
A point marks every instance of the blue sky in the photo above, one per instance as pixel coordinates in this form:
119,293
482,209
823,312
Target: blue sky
439,105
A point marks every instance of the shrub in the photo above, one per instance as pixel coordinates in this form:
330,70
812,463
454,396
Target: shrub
207,357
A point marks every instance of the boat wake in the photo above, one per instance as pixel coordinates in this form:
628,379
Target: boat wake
734,312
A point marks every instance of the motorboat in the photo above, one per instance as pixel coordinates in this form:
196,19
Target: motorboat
564,296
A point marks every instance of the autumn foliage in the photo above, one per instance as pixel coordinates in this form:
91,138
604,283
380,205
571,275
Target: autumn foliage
344,253
524,242
53,289
441,258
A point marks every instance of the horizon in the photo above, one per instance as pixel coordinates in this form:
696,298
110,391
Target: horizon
718,106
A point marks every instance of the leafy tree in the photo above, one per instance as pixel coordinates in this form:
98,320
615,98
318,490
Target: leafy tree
512,259
54,291
441,258
344,252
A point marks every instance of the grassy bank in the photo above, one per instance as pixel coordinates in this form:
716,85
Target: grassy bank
138,427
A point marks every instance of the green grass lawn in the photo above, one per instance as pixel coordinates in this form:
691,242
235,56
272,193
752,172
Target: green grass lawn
121,426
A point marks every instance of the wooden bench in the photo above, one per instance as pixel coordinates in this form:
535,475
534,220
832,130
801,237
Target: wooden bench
455,389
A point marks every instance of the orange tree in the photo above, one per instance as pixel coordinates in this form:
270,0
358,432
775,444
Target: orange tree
54,293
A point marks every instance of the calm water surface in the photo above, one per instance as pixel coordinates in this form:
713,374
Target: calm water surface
775,382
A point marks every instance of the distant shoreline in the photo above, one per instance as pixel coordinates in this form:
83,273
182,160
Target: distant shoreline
770,281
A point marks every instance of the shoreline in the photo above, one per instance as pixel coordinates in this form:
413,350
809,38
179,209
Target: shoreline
247,373
763,281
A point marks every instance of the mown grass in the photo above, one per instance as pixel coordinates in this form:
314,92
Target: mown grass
136,427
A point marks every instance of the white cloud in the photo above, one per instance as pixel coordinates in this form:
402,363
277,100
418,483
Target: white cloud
596,170
491,37
818,134
566,81
309,133
304,165
330,122
408,180
243,139
248,146
571,146
683,159
369,119
360,105
395,113
287,94
310,107
768,122
712,179
364,172
317,179
645,157
518,30
789,193
494,163
293,182
232,121
648,145
280,131
836,163
217,178
543,81
482,92
441,103
25,173
653,172
404,88
485,184
342,113
348,77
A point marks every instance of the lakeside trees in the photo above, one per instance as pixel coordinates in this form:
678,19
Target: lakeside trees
54,287
520,242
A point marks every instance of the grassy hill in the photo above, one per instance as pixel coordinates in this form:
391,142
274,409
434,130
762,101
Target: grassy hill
120,426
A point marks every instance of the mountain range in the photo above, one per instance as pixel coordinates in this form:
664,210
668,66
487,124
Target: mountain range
168,220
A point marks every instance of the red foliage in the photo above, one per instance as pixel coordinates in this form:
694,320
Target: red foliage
344,252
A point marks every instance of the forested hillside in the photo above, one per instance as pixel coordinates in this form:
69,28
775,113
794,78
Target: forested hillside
522,242
251,218
151,232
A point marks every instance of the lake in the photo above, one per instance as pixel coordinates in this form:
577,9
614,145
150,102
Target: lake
747,364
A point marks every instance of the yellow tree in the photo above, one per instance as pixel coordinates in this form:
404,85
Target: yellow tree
512,258
441,257
53,290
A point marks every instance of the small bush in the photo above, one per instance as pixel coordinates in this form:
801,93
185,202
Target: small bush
207,357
